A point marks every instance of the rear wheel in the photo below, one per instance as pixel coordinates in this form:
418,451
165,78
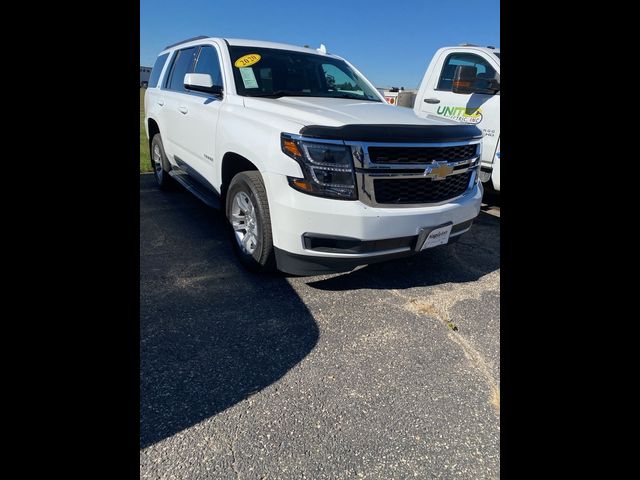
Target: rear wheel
247,210
160,164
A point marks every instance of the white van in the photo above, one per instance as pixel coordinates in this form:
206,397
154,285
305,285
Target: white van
463,84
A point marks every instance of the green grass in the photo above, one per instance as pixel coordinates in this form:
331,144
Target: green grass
145,159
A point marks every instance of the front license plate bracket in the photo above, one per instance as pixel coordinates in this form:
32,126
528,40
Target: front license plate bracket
430,237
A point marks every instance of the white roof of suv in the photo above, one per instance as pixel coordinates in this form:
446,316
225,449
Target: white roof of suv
242,42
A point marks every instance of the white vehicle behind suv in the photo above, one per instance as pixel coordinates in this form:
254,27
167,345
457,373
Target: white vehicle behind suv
315,172
463,83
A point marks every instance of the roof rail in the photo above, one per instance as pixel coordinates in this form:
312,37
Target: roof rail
467,45
199,37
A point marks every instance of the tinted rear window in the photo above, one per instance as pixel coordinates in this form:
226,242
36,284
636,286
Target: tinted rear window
157,70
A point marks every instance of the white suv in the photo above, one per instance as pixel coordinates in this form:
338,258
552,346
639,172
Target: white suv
315,171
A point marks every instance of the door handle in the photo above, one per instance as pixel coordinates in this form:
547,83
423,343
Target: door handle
160,102
431,100
182,109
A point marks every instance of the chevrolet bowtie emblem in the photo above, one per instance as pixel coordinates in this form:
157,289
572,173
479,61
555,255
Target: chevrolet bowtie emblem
439,170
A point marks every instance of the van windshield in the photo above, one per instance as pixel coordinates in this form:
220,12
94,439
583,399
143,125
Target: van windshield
274,73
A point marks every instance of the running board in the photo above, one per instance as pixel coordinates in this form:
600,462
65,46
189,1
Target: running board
203,193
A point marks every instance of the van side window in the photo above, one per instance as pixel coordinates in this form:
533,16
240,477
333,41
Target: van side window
467,59
181,66
157,70
208,62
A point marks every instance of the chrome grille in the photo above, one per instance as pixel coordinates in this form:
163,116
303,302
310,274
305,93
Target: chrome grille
403,175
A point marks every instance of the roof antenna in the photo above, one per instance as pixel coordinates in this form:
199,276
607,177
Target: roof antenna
322,49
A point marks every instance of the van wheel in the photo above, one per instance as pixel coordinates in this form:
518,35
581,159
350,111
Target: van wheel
247,210
160,164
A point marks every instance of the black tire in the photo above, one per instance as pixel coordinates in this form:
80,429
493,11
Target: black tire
161,172
262,259
488,186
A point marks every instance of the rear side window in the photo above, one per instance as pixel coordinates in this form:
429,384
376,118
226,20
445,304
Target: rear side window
181,66
483,69
208,62
157,70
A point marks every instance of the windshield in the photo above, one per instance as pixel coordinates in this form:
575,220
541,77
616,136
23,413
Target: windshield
274,73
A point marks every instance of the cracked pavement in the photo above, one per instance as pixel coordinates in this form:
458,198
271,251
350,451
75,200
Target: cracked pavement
390,371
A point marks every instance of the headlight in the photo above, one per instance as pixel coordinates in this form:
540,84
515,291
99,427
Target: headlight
327,167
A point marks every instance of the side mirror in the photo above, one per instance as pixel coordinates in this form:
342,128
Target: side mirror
201,82
466,80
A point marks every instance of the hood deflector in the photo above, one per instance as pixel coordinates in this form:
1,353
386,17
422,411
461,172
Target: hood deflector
394,133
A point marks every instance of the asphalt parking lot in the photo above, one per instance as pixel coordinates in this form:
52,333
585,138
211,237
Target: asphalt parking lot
388,372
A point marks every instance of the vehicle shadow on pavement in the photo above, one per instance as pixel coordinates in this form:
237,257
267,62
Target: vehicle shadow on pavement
210,333
476,254
490,199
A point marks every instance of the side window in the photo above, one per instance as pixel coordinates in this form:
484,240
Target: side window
157,70
181,66
338,80
208,62
483,69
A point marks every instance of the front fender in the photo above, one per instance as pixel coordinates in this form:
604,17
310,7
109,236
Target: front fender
256,137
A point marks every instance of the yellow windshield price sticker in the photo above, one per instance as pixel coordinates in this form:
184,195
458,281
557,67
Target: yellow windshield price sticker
247,60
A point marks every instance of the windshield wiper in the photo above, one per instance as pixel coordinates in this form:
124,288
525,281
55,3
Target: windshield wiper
292,93
281,93
354,97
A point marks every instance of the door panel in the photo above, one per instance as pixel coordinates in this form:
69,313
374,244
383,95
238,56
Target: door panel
202,115
191,117
173,91
198,117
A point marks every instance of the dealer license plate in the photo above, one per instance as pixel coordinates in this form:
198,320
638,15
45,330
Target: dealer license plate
437,236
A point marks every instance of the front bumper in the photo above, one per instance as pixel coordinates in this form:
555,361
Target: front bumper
295,215
315,265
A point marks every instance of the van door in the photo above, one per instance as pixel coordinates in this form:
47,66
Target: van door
478,109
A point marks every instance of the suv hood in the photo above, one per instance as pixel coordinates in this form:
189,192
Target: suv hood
336,112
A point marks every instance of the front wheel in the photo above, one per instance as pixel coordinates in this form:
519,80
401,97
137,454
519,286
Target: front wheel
247,210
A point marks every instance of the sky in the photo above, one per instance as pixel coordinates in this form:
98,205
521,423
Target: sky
391,43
